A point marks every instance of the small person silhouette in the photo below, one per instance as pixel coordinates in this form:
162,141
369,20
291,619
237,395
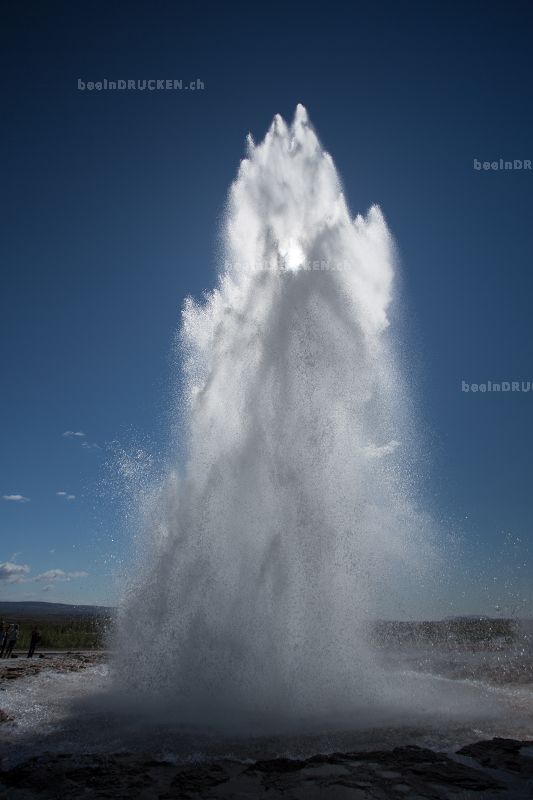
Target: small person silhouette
4,629
12,637
34,641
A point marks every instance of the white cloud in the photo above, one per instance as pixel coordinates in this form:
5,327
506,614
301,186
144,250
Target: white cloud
16,498
51,575
73,433
59,575
19,573
71,496
66,495
379,451
91,446
61,494
13,573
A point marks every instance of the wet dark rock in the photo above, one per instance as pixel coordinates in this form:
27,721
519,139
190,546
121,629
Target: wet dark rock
4,717
508,755
412,772
279,765
192,782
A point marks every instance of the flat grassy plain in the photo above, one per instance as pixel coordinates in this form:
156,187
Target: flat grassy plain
64,627
79,630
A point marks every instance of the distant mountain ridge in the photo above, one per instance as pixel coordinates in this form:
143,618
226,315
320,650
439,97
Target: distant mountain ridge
38,608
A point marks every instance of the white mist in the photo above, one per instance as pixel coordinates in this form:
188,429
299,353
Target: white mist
294,520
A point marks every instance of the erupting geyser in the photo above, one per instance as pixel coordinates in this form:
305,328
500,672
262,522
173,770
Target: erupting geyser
294,521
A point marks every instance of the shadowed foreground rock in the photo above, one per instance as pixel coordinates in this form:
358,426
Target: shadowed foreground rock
507,754
500,768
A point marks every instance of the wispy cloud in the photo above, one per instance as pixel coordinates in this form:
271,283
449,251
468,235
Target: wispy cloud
15,498
91,446
82,435
66,495
13,573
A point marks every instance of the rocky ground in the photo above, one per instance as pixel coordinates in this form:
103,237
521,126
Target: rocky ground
22,667
500,768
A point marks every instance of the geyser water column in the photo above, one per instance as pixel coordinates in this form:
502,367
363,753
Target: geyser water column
292,522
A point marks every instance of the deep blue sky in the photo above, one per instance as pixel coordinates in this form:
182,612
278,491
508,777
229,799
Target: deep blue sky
112,204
